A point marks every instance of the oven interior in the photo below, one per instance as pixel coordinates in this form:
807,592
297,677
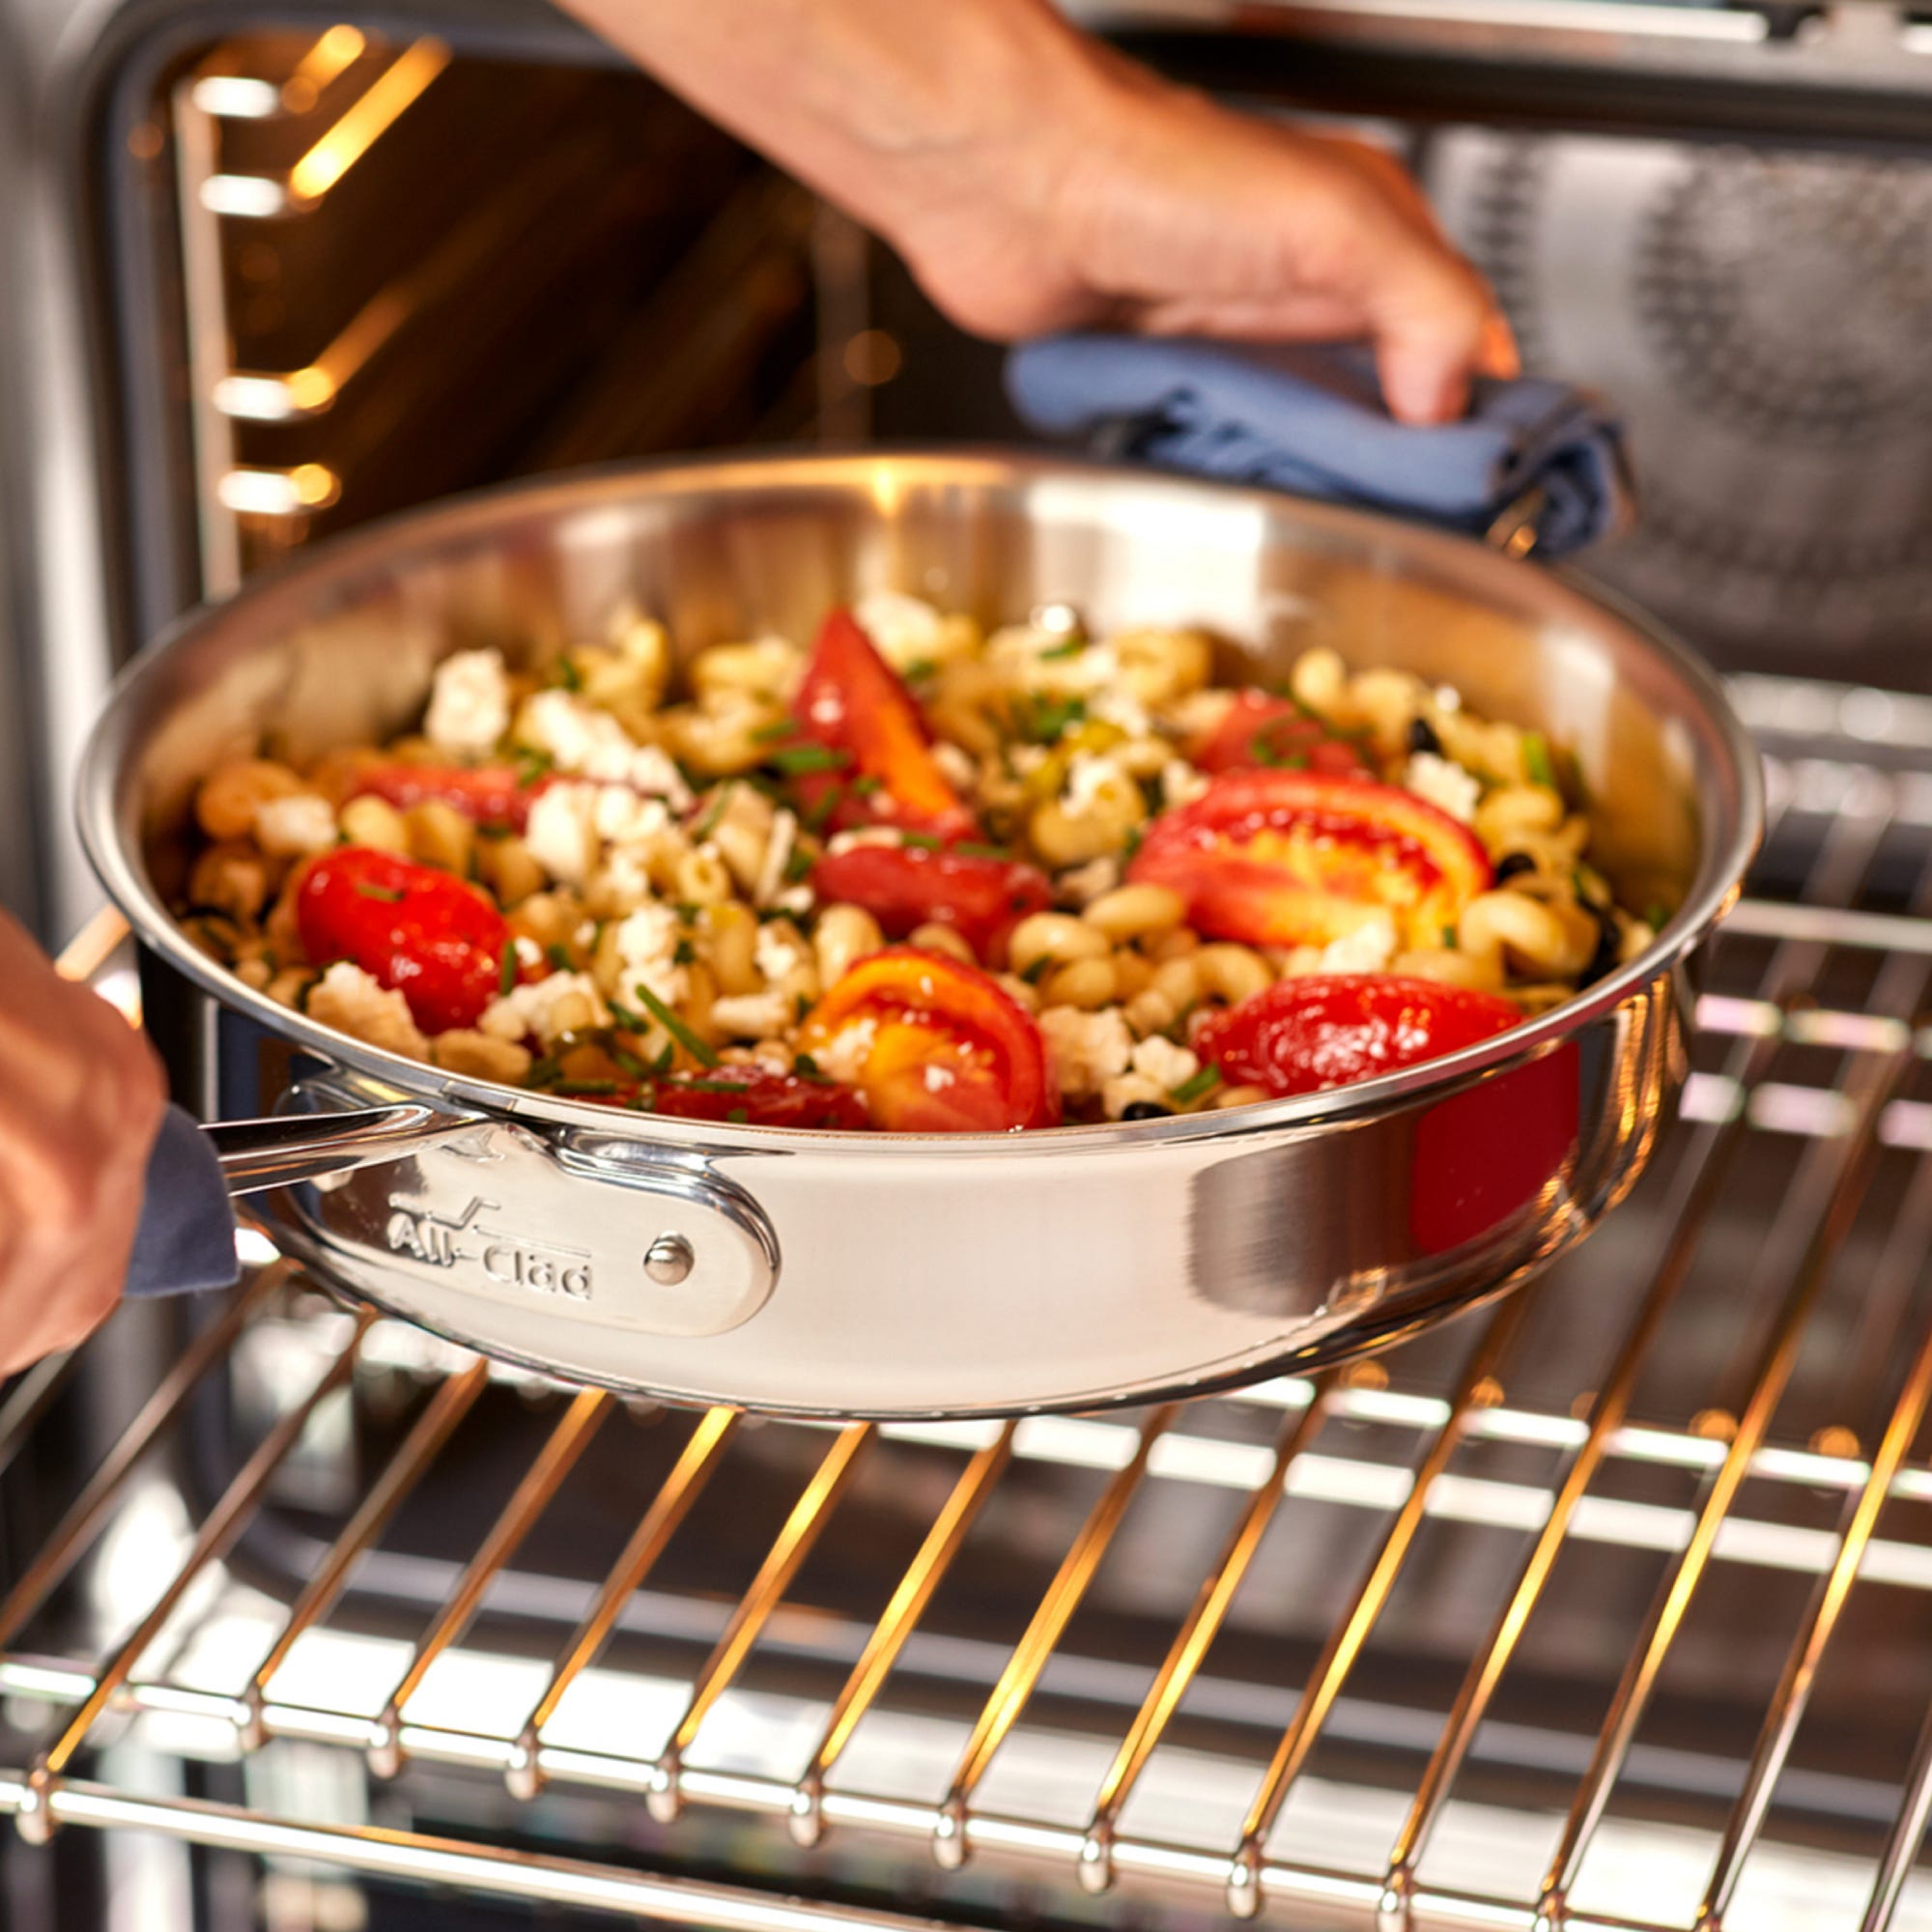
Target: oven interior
1611,1601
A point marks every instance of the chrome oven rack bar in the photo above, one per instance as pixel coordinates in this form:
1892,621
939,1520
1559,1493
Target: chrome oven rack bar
1784,1054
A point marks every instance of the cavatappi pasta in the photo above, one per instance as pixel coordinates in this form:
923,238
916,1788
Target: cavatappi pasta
897,871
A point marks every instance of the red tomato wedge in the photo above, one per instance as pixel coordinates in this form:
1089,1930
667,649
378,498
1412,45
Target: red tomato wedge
1332,1029
489,795
764,1098
905,886
1275,858
1258,730
421,932
852,702
935,1047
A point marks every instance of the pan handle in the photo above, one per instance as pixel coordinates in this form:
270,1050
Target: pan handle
280,1152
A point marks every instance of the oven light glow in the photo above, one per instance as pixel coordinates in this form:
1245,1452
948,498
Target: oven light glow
234,96
335,51
248,197
253,1249
372,116
278,493
252,398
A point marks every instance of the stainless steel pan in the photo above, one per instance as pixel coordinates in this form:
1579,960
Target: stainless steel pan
892,1275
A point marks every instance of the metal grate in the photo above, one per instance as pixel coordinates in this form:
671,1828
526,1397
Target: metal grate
1464,1645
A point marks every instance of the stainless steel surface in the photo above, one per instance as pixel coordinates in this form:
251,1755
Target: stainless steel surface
863,1274
259,1154
1413,1644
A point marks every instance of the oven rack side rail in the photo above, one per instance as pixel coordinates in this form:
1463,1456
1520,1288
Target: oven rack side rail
1850,774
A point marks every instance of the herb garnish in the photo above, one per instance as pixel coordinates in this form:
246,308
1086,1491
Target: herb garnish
1196,1086
704,1055
388,895
506,976
796,759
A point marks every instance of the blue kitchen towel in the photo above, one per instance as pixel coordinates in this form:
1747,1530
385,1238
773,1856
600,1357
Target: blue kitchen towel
186,1237
1310,419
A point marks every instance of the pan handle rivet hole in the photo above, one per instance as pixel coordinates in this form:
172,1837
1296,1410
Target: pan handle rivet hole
669,1259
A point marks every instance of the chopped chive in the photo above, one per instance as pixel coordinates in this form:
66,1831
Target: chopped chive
920,668
558,955
772,734
797,866
1038,969
819,814
1072,649
738,1117
628,1017
628,1062
919,842
544,1072
1135,835
704,1055
388,895
806,1067
971,848
1197,1086
693,1084
688,910
531,765
802,1006
1449,938
1044,720
713,813
568,675
660,1060
683,953
866,784
1656,915
1536,757
506,976
795,759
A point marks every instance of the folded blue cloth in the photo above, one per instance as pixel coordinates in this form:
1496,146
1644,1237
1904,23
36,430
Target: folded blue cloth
186,1234
1312,420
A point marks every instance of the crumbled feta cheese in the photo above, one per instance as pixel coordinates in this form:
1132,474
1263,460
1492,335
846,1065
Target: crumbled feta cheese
902,629
351,1000
570,731
291,826
956,765
563,1002
778,857
827,709
844,1054
1084,884
469,703
1444,784
1087,1049
752,1015
624,817
1122,709
938,1078
1027,759
653,772
794,899
561,831
779,951
1181,783
1448,698
1368,949
1089,780
528,952
1127,1089
646,942
624,881
1163,1063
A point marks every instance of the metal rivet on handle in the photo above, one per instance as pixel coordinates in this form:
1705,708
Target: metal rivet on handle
669,1259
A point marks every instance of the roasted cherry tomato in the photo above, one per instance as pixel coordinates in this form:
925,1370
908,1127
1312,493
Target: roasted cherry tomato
1332,1029
489,795
1276,858
1258,730
851,703
905,886
760,1096
423,934
935,1047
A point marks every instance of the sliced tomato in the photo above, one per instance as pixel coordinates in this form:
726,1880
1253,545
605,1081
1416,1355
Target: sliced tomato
935,1046
982,899
1276,858
421,932
852,704
1258,730
489,795
760,1096
1332,1029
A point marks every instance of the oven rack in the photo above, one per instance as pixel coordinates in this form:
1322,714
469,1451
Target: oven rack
1810,1038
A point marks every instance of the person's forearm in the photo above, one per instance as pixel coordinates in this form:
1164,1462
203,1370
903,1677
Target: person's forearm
878,105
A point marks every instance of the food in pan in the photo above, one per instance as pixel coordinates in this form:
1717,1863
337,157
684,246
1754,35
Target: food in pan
915,877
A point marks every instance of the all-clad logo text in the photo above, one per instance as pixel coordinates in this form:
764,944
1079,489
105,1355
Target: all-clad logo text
539,1267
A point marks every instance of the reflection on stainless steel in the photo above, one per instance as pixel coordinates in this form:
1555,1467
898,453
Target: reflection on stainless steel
865,1276
259,1154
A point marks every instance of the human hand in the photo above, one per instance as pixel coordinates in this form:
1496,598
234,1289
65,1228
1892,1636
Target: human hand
1036,181
81,1095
